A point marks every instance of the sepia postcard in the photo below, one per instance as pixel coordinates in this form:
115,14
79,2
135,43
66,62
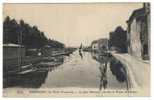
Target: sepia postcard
76,49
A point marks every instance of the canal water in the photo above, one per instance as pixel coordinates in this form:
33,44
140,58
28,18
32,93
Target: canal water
79,69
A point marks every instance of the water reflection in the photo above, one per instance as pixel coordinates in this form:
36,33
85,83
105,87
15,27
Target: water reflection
80,53
103,80
117,69
36,77
75,73
30,80
103,60
48,65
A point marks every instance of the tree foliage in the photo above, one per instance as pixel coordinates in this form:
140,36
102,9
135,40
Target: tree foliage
118,39
24,34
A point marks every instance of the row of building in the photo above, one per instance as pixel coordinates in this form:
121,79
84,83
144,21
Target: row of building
100,45
135,40
16,51
138,32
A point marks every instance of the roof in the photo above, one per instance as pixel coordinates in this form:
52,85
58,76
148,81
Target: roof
103,39
12,45
95,41
100,40
136,13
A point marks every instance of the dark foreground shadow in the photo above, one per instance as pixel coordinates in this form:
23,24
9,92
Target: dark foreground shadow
30,80
116,67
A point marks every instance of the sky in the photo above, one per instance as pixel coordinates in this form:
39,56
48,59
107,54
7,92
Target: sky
73,24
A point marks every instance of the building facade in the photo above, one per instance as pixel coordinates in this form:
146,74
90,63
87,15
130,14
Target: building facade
100,45
12,56
13,51
138,33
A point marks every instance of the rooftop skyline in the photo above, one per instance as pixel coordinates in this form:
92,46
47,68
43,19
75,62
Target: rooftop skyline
73,24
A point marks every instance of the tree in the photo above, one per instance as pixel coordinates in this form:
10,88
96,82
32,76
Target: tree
23,33
11,31
118,39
